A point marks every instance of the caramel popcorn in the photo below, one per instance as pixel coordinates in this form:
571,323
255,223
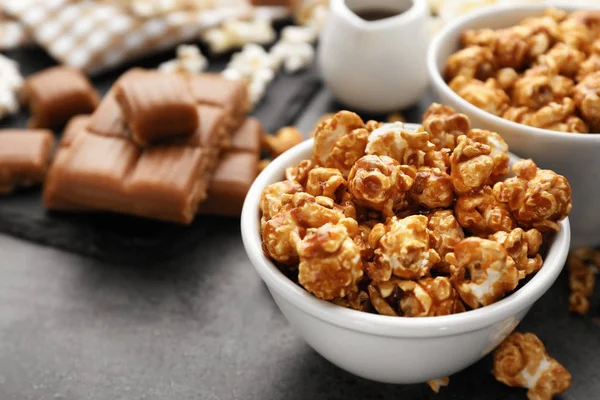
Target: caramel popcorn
521,360
471,165
537,91
444,233
330,131
545,71
482,271
300,172
537,198
480,213
403,249
380,183
325,182
487,95
471,62
555,116
522,246
330,263
444,125
437,384
499,152
283,140
432,188
426,297
581,283
587,100
376,220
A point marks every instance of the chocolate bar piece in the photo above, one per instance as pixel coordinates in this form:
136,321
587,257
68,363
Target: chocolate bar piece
76,125
56,94
230,184
156,106
247,138
235,172
231,95
168,183
24,157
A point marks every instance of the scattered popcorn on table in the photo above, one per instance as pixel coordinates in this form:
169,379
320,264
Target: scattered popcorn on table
11,82
236,33
189,60
521,360
437,384
423,221
583,265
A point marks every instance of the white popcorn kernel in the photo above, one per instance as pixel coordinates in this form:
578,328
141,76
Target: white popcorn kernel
189,60
256,91
252,58
299,34
257,31
294,56
232,74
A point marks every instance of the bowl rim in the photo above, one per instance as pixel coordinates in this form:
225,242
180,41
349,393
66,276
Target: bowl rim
454,28
376,324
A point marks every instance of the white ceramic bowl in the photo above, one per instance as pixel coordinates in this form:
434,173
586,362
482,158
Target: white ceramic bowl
382,348
575,156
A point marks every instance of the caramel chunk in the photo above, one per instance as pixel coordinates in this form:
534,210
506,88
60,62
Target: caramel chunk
108,120
76,125
56,94
24,156
230,95
167,183
247,138
156,106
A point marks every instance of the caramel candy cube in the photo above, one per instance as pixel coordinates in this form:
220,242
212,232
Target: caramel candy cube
92,173
247,137
230,184
156,106
75,126
108,118
218,91
24,157
168,183
56,94
211,127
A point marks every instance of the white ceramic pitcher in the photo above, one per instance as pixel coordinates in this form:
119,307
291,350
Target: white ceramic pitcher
375,66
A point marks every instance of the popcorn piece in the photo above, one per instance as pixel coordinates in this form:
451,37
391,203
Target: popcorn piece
437,384
587,99
521,360
488,96
281,234
294,56
283,140
253,61
299,34
444,125
272,199
513,47
326,182
555,116
471,165
403,249
479,37
395,117
330,263
444,233
235,33
335,145
56,94
300,172
356,300
432,188
507,77
482,271
522,246
563,58
537,198
189,60
499,152
589,66
480,213
426,297
380,183
580,28
472,62
582,280
406,147
537,91
11,82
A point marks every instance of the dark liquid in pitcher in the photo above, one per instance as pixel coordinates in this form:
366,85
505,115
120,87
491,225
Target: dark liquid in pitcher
375,14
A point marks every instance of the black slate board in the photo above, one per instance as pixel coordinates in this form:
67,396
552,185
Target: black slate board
124,239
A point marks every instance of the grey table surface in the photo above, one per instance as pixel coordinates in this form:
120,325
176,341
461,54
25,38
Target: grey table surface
203,326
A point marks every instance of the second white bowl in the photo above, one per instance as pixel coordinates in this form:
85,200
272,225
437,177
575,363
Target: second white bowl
572,155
